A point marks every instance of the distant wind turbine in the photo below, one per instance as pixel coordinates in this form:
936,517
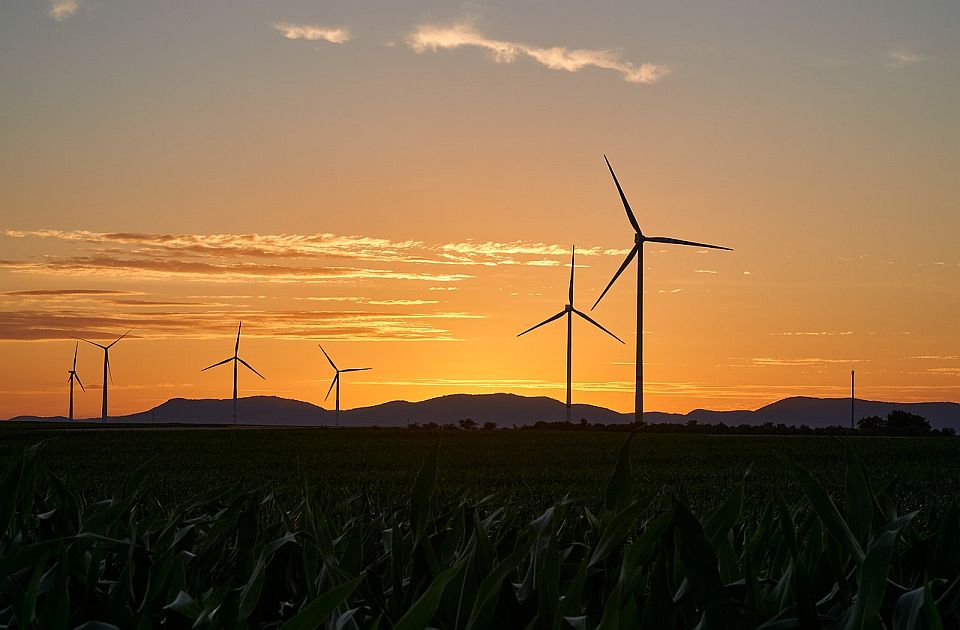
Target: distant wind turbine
569,310
74,376
639,239
106,368
336,379
236,360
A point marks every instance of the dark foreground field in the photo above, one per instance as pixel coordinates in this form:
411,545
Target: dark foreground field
389,529
532,469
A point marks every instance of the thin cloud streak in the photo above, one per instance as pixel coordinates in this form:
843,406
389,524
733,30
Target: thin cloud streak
61,10
313,246
161,269
901,58
313,33
506,384
33,325
432,38
67,292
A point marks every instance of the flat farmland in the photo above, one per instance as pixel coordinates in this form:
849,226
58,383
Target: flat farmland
528,468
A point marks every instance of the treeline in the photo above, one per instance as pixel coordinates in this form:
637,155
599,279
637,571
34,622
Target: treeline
896,423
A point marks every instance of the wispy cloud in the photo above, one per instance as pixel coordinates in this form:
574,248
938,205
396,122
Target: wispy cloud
384,325
66,292
955,371
769,361
367,249
60,10
433,37
901,58
159,268
507,384
812,333
313,33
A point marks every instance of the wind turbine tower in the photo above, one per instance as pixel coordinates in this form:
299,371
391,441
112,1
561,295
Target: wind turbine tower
336,379
74,377
639,238
569,311
236,362
107,372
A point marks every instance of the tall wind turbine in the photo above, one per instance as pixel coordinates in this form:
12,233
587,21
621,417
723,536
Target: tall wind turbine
639,238
569,310
74,376
236,361
106,368
336,379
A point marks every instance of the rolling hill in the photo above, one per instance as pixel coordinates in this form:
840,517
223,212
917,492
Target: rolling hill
510,409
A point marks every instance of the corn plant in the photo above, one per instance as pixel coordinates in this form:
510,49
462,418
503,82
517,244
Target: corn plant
233,558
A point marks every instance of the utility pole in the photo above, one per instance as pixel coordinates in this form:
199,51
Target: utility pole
852,398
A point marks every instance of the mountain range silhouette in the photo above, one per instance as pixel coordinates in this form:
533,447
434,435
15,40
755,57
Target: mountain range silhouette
511,410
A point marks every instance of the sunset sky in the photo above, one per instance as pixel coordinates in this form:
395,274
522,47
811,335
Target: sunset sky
403,182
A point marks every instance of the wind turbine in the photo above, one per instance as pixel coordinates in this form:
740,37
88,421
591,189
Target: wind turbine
74,376
236,360
569,310
106,368
639,238
336,379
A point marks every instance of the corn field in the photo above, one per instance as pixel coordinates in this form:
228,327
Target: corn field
238,558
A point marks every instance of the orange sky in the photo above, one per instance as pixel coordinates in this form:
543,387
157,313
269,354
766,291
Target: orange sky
406,192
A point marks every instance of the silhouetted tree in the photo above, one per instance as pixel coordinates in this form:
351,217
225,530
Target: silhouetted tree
874,424
489,426
900,422
468,424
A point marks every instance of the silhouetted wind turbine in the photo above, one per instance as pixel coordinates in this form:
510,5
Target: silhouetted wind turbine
638,240
569,310
236,360
106,368
336,379
74,376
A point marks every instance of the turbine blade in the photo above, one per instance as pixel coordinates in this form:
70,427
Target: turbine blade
250,367
328,357
77,376
75,350
332,383
546,321
236,348
120,337
355,369
597,324
623,198
216,364
92,343
677,241
623,265
573,255
110,371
